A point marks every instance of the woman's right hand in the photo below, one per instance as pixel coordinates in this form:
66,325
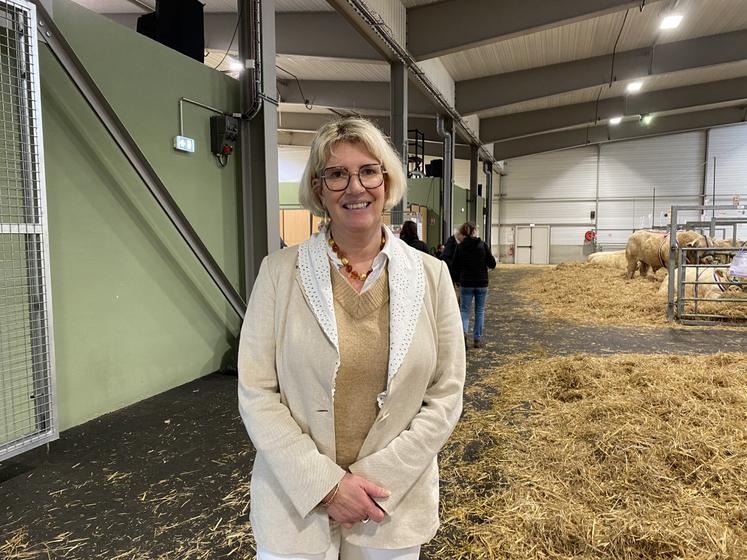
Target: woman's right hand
352,503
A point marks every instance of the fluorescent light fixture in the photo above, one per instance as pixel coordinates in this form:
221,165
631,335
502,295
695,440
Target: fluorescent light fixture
234,65
671,22
647,120
614,121
634,87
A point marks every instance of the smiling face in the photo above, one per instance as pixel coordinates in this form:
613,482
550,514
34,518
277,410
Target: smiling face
354,211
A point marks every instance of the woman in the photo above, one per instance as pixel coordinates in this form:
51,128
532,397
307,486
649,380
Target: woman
409,234
472,259
351,369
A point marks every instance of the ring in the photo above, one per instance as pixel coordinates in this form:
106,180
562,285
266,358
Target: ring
366,520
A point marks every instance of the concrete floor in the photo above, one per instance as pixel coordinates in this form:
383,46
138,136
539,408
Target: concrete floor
168,477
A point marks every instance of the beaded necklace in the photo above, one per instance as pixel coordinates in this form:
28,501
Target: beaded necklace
346,262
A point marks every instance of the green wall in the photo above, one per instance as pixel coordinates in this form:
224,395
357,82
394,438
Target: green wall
134,313
427,192
289,195
460,206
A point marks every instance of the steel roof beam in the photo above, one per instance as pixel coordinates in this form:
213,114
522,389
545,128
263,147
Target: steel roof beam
455,25
355,96
602,134
489,92
527,123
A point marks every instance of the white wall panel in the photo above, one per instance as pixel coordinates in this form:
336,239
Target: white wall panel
461,173
541,213
564,235
564,174
291,163
672,164
729,146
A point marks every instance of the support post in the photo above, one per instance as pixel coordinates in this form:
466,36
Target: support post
488,169
398,129
472,216
259,140
671,264
445,129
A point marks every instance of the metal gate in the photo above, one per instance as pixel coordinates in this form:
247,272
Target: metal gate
27,398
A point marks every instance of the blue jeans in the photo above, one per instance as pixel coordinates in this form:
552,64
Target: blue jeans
465,304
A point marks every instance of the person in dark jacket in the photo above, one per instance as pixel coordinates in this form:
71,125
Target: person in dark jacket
447,255
409,234
472,260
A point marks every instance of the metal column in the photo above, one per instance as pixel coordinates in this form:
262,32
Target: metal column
445,128
398,129
488,168
474,152
259,139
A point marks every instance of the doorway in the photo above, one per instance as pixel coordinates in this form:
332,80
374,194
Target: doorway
532,244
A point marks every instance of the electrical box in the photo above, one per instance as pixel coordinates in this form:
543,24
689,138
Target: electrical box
224,132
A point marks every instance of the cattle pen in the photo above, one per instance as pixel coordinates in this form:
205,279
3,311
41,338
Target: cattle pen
698,268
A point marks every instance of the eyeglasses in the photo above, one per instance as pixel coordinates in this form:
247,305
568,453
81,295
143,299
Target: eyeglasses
369,176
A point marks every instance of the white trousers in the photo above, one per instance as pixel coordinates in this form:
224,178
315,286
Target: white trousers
345,551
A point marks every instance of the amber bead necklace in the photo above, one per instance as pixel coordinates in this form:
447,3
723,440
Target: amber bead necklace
346,262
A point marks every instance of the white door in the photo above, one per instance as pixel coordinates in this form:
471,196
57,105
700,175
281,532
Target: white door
540,253
523,244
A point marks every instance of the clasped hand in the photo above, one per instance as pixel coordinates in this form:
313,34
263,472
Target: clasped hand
352,503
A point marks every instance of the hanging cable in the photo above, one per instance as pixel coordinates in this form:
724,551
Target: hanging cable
306,102
612,70
233,38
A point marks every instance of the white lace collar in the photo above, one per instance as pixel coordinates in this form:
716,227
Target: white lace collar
406,292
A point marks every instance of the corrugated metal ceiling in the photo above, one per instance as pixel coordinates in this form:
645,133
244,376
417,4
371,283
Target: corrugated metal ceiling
651,83
584,39
595,37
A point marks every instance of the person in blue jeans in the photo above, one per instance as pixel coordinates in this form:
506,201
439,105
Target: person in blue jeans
472,260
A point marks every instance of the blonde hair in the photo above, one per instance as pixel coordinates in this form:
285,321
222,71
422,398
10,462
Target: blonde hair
354,130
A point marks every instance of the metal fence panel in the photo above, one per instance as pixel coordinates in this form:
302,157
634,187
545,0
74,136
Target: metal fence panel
27,397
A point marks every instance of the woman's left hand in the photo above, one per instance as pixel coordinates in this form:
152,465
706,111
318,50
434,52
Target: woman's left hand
352,502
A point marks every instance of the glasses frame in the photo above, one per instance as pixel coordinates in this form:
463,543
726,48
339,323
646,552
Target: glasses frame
357,174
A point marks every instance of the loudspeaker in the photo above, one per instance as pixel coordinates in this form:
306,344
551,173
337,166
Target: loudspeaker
146,25
435,168
178,24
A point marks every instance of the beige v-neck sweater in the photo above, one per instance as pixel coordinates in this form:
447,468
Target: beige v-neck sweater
363,331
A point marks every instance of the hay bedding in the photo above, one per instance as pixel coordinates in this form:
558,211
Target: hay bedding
592,294
627,457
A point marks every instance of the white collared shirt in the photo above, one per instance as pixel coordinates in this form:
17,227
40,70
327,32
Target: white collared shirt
379,262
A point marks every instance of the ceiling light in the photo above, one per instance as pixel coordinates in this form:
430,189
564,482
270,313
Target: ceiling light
234,65
634,87
647,120
615,121
671,21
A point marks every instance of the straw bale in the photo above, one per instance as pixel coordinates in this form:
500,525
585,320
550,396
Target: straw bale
625,457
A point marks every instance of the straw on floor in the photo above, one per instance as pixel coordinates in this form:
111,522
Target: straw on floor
626,457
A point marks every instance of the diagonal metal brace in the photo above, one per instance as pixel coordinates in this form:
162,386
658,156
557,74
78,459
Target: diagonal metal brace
82,80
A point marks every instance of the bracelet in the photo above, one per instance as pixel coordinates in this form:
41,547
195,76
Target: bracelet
332,497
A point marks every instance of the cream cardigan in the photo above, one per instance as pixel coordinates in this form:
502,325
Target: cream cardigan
288,359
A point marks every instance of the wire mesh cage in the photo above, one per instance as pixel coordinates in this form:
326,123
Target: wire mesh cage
27,407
